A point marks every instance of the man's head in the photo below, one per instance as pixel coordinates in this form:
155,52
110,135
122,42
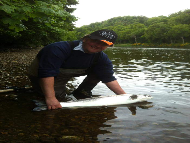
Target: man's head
99,40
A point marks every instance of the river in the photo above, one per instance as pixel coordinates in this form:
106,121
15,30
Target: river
163,73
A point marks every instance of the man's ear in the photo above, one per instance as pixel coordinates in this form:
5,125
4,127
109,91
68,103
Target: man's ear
84,40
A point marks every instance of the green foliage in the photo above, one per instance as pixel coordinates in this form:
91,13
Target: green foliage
140,29
113,23
180,17
157,32
35,22
179,31
155,20
137,30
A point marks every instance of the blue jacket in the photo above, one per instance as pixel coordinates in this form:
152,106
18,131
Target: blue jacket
60,55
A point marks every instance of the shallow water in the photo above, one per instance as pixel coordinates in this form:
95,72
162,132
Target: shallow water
162,73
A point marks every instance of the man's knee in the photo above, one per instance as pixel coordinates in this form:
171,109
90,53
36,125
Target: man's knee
85,88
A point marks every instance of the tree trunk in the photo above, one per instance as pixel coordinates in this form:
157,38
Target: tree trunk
171,40
182,40
135,40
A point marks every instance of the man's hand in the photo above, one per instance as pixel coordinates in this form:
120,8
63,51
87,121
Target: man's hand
52,103
47,85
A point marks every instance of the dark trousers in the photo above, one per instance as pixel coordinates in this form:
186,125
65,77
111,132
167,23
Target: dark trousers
63,77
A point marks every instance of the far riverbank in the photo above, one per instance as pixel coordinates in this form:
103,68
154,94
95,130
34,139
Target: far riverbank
152,45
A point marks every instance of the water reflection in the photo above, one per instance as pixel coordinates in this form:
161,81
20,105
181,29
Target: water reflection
164,68
76,124
66,125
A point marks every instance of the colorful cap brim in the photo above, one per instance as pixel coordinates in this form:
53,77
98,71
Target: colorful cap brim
107,42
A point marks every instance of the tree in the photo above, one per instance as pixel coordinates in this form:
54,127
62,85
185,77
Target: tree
35,22
120,30
155,20
157,32
179,31
181,17
137,30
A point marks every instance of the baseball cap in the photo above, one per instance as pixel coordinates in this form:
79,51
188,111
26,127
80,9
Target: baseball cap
104,35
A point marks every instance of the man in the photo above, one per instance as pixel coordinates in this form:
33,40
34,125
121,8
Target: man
56,63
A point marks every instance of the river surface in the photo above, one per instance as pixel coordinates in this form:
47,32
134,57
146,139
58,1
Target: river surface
163,73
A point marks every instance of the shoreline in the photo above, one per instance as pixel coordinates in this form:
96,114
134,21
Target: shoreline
151,45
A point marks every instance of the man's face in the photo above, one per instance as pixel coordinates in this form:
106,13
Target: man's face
91,46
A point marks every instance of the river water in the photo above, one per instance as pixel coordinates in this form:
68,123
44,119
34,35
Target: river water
163,73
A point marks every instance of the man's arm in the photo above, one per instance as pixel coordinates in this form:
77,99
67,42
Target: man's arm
115,87
47,85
